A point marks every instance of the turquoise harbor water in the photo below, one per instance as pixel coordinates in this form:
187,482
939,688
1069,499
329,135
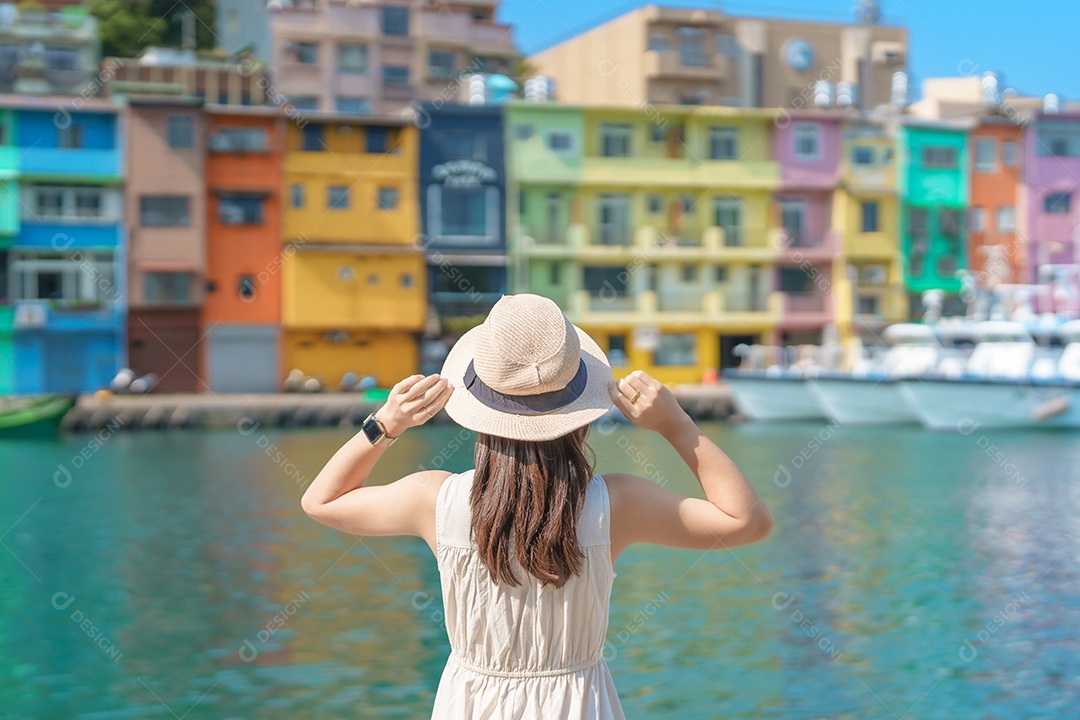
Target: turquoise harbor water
911,574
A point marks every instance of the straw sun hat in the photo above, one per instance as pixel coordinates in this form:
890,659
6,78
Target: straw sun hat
527,373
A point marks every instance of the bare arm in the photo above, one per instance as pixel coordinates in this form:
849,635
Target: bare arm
337,496
732,513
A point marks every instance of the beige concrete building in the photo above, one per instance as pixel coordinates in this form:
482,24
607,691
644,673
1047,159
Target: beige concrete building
237,80
657,55
364,57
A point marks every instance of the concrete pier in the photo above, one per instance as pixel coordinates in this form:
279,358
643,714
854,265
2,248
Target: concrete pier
326,409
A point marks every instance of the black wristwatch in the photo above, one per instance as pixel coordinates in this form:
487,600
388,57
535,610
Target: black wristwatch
375,432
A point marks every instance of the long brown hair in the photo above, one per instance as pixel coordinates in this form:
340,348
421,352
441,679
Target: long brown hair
526,500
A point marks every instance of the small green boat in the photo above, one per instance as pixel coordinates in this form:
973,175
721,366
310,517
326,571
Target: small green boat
32,417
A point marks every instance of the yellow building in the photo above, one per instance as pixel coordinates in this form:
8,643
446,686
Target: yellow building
353,273
869,274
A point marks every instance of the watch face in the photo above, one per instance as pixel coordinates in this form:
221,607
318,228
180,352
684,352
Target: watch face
372,430
799,54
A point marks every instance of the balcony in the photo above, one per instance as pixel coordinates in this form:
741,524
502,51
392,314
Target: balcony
870,246
676,173
709,309
595,242
875,306
808,247
668,65
806,311
71,164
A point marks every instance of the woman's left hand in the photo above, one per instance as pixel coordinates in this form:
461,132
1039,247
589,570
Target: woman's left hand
412,402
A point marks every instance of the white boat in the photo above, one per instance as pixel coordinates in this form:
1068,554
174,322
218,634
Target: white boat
1008,382
869,393
764,389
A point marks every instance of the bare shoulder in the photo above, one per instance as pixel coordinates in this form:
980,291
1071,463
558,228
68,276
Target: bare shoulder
626,488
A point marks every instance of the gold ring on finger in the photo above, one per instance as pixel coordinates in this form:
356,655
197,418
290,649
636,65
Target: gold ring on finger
637,394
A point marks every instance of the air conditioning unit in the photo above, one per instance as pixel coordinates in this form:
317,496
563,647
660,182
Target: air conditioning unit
220,143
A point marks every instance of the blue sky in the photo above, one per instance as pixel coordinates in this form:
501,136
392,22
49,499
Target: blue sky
1032,43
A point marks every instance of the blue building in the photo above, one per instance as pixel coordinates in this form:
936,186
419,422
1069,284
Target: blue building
463,210
62,252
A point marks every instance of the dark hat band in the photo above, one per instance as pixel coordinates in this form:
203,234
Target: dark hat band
526,404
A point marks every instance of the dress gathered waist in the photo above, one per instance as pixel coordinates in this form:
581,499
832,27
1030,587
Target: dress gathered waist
570,670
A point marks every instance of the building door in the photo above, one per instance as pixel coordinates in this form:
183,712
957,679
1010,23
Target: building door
728,343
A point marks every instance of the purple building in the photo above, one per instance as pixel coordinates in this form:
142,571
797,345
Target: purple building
807,146
1052,181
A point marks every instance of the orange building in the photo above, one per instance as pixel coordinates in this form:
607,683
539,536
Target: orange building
244,249
996,249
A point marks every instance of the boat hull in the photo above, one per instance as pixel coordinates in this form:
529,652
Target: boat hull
773,398
862,401
964,405
34,417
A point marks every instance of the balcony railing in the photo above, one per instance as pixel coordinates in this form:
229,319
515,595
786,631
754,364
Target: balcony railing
612,234
805,303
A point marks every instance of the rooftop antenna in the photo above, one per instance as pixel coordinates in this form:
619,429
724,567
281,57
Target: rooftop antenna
867,12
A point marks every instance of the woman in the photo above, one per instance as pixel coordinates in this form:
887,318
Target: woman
526,542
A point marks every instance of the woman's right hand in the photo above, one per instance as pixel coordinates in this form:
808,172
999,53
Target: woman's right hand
646,402
412,402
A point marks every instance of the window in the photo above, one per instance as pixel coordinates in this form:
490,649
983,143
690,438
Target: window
721,274
304,102
723,143
240,209
70,137
977,218
88,203
657,42
60,203
246,288
238,139
796,281
655,204
985,152
465,144
727,46
165,210
873,275
918,222
82,277
869,216
523,131
388,198
442,63
307,53
936,157
950,223
1008,151
606,282
352,105
615,140
727,215
464,211
657,133
1057,203
297,195
312,138
50,202
337,197
866,305
614,219
396,75
687,203
946,265
223,97
352,59
554,273
806,141
1006,219
167,288
406,280
792,217
689,273
916,264
617,349
376,139
862,155
560,141
692,52
395,20
675,350
181,131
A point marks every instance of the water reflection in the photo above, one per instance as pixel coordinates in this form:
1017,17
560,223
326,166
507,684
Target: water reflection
174,573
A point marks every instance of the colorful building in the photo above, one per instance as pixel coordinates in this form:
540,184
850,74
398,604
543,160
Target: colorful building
653,233
463,210
869,277
241,312
66,290
996,251
166,258
934,191
354,291
807,146
1051,166
49,53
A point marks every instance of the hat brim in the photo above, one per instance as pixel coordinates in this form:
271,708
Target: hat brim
467,411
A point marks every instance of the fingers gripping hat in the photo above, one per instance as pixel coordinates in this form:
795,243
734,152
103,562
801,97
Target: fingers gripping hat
527,373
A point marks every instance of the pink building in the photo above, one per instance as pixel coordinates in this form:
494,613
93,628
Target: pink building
1051,169
807,147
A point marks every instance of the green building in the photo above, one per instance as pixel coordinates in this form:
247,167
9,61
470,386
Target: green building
934,188
9,229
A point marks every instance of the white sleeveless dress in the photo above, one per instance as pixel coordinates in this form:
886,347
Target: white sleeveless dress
526,652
